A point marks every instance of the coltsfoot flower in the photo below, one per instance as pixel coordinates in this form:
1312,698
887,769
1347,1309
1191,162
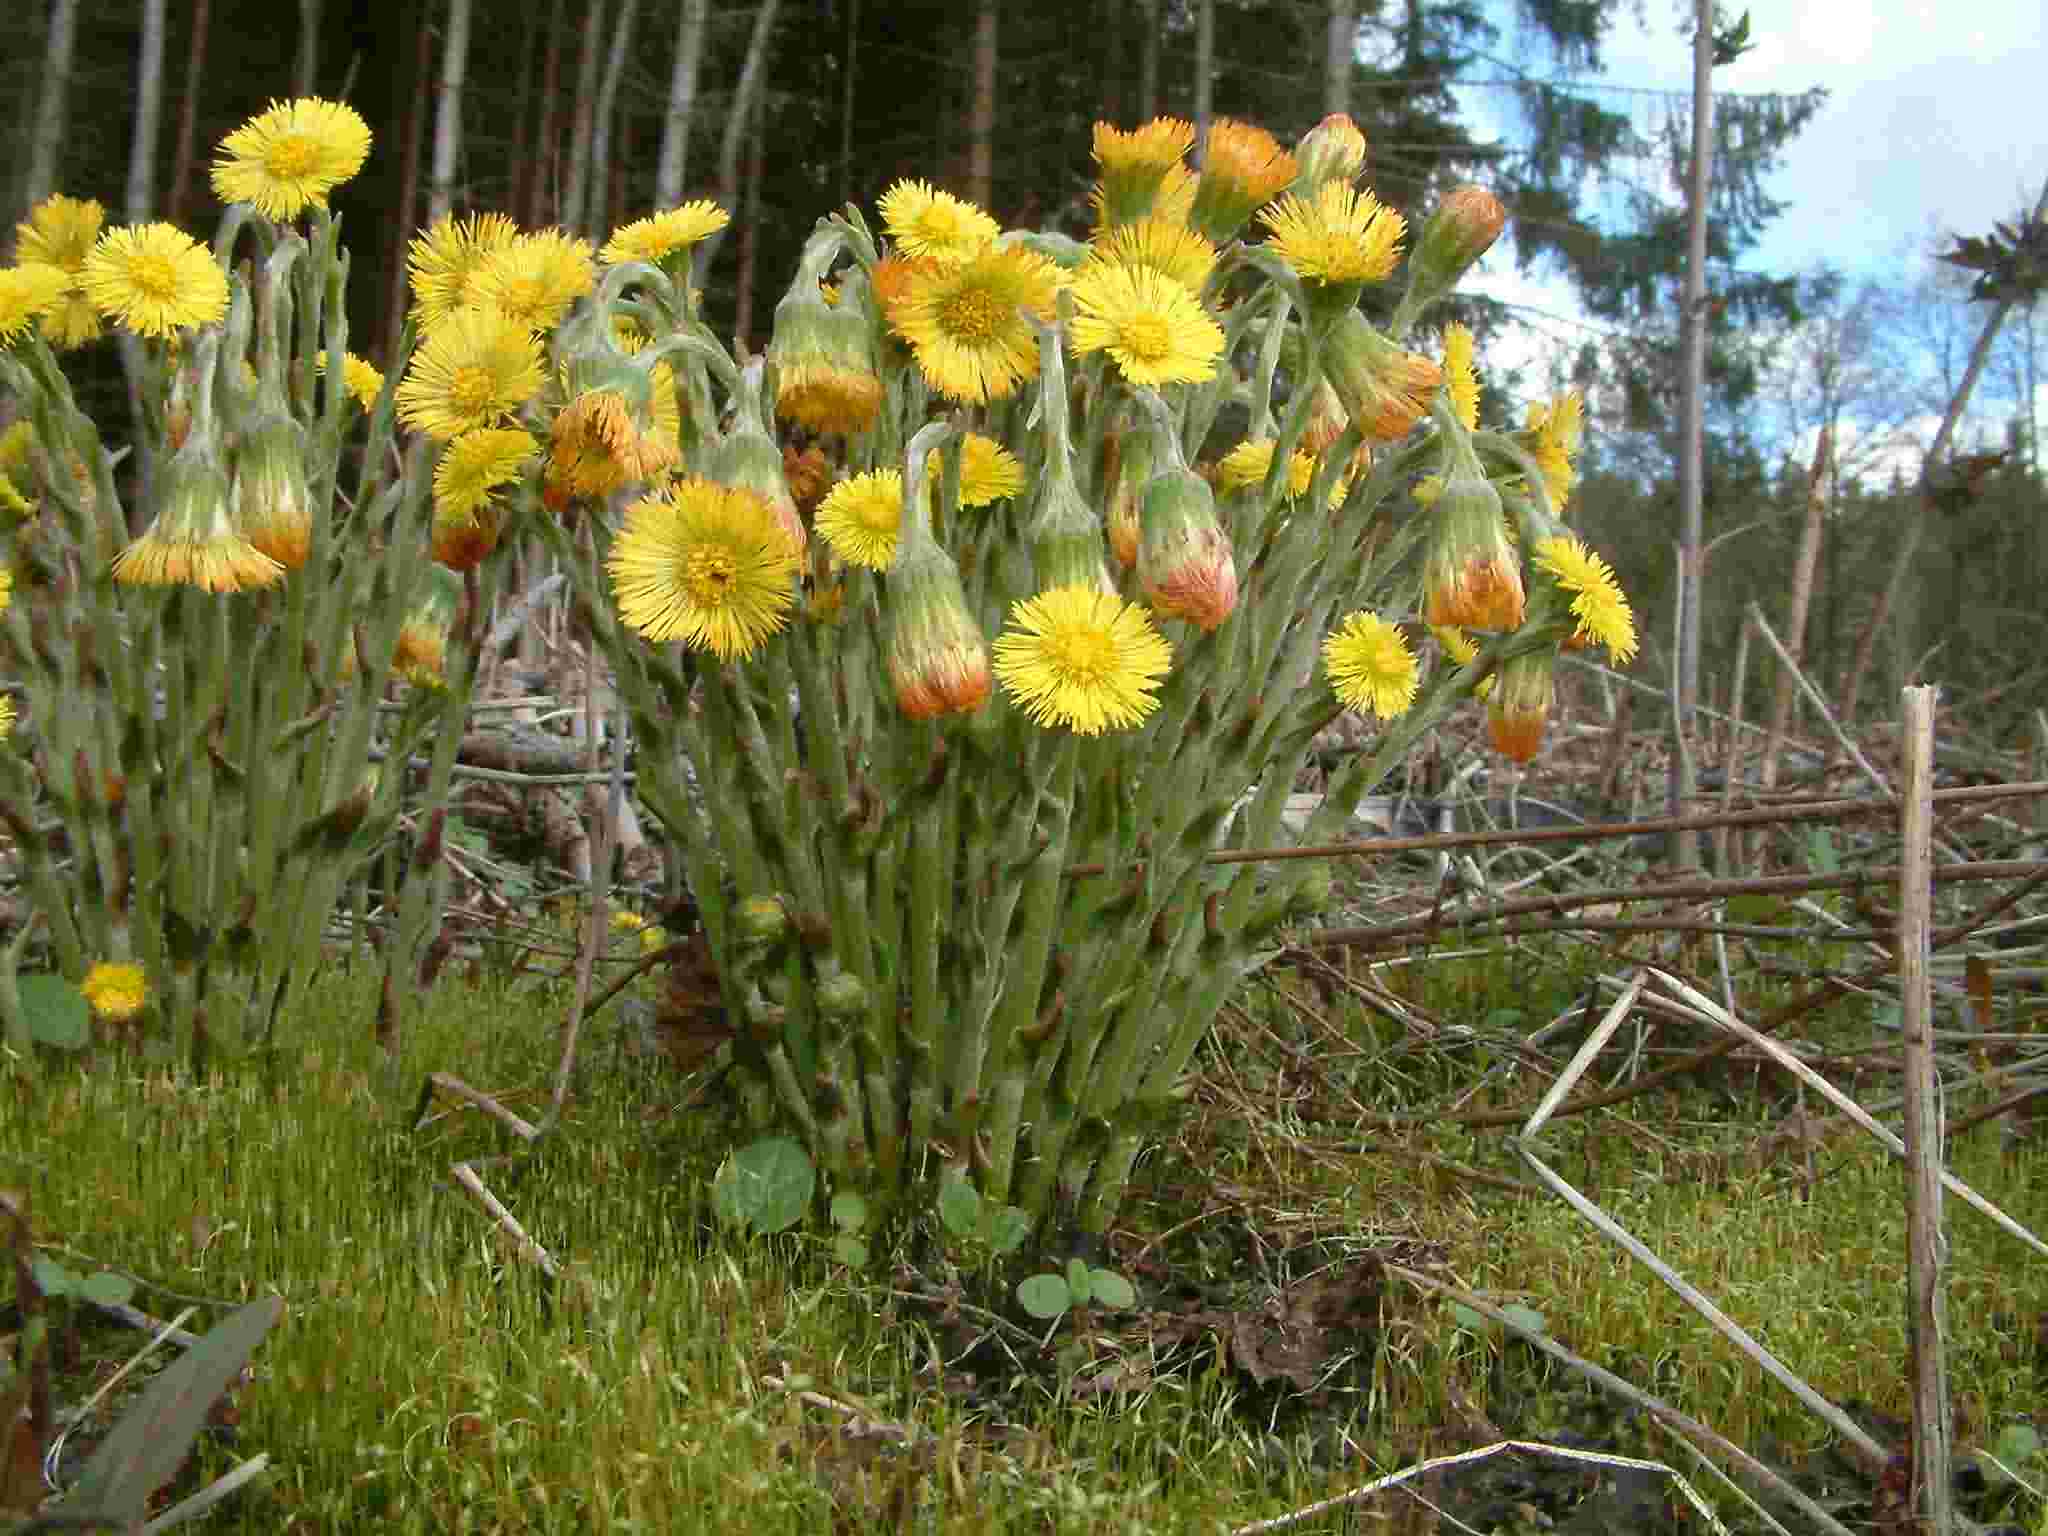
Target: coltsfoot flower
661,235
925,222
706,564
966,324
154,279
443,263
116,990
289,158
1152,325
1083,658
861,518
1370,666
1602,612
473,369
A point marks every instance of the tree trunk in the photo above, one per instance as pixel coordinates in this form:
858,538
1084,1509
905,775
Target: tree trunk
749,219
520,189
46,141
577,182
306,71
1691,434
846,102
141,202
1339,52
607,102
401,223
1205,70
1916,523
547,157
682,102
1148,60
981,128
188,112
448,111
749,89
1109,95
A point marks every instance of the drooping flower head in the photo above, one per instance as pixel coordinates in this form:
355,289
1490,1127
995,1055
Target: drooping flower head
289,158
938,660
1383,389
1520,706
619,428
706,564
932,225
861,517
537,277
1153,326
1135,167
154,279
1370,666
273,507
60,233
444,262
966,322
1602,611
472,370
1243,169
824,360
1186,568
1083,658
193,540
1471,577
661,235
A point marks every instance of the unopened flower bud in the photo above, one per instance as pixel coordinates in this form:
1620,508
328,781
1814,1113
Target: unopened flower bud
938,659
1333,150
824,359
1471,576
1185,567
761,920
1383,389
1464,226
841,996
273,507
1520,706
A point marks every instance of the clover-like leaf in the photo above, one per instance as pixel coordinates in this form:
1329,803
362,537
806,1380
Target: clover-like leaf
1110,1289
765,1186
1043,1296
56,1011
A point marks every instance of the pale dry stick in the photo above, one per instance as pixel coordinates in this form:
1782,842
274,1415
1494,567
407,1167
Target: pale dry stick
1803,567
524,1245
199,1503
448,1083
1731,763
1926,1248
1813,697
1583,1057
1482,1453
1690,1432
1708,1011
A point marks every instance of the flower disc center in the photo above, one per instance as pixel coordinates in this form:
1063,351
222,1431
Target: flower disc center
974,315
710,576
293,156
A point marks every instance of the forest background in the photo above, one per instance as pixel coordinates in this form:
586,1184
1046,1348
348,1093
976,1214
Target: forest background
592,115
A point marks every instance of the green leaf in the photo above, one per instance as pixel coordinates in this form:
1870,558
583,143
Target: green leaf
849,1211
1821,857
1008,1228
1078,1289
1469,1320
1043,1296
107,1289
57,1012
1525,1317
2016,1442
52,1278
1111,1289
850,1251
765,1186
959,1207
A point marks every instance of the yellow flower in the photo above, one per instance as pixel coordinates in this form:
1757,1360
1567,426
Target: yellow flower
989,472
1246,466
6,716
1460,377
1136,166
117,991
1597,601
1163,246
60,233
1154,327
824,360
26,295
1552,438
1460,649
706,564
1084,658
476,463
1339,236
1370,666
663,234
966,322
359,377
925,222
537,277
861,517
154,279
1243,168
6,591
291,156
613,434
444,262
475,367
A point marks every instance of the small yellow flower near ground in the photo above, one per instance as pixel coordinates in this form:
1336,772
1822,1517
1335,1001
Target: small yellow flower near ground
1370,666
154,279
359,376
289,158
706,564
1597,601
861,518
989,472
117,991
663,234
1082,657
1153,326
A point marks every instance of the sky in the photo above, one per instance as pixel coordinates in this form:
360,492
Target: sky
1934,125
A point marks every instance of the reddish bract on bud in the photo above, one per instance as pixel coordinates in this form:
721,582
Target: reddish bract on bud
1520,706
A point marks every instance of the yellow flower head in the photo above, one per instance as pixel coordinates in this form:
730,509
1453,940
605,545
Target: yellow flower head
155,279
1082,657
60,233
537,277
1370,666
1460,377
614,433
862,516
6,716
706,564
1162,245
1460,650
925,222
359,376
1243,168
1341,235
966,322
477,366
290,157
989,472
475,464
1597,601
1154,327
1247,465
1135,167
661,235
26,295
444,262
117,991
1552,438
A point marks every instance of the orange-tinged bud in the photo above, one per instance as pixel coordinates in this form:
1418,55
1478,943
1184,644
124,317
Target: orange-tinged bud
1520,706
1383,389
1471,576
1185,564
